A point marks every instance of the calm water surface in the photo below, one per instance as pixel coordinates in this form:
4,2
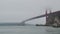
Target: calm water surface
28,30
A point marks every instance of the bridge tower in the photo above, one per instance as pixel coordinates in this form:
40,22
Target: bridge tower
46,17
49,18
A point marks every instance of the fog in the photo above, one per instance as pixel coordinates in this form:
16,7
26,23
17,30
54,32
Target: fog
19,10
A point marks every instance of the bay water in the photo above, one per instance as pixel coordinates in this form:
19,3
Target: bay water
28,30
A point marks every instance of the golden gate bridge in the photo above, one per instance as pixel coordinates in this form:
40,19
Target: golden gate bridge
51,18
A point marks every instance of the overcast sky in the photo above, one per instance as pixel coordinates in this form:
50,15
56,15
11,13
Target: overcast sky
19,10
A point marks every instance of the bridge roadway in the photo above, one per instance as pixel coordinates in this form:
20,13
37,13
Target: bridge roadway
23,22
